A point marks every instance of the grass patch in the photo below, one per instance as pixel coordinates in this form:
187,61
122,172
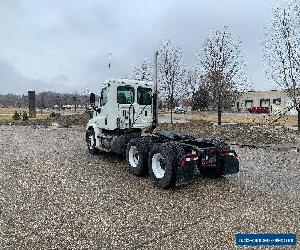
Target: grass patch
242,118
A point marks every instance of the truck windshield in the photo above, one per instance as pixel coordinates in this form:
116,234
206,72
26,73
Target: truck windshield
125,94
144,96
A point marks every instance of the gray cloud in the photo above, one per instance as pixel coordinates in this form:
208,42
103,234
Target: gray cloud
47,39
13,81
61,78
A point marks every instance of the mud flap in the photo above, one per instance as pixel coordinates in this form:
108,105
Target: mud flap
185,172
231,163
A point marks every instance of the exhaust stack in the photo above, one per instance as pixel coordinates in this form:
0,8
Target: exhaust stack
155,117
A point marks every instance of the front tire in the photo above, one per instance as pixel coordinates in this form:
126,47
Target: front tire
91,141
137,153
163,162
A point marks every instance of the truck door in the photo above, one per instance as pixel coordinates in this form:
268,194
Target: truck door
125,100
143,109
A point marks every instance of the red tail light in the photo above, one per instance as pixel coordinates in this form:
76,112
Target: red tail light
191,158
227,154
188,158
203,162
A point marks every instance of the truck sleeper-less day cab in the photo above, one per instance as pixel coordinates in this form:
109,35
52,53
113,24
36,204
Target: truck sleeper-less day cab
124,123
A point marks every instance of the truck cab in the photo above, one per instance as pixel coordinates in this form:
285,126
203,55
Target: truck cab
125,107
124,104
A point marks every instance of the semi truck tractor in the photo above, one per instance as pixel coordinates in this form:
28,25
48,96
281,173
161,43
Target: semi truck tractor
125,122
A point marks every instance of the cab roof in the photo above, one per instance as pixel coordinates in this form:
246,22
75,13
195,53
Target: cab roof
129,82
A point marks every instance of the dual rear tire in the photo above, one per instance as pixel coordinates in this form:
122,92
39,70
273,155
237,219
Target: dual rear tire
159,160
137,153
163,163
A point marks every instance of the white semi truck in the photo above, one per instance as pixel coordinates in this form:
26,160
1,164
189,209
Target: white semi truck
124,122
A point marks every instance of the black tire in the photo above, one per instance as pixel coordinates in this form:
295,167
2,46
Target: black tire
139,165
169,156
91,141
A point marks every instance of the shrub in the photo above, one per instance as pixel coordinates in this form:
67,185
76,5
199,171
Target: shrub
16,116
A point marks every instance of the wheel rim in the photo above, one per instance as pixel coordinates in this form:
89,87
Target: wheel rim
158,166
133,156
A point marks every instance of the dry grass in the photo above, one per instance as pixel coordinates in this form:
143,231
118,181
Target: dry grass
244,118
7,113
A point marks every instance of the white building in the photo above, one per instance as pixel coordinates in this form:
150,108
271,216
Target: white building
277,100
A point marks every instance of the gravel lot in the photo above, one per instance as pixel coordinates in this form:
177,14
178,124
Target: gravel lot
54,195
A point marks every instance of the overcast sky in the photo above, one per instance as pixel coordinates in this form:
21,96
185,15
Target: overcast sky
63,45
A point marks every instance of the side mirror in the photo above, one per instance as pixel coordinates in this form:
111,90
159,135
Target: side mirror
92,99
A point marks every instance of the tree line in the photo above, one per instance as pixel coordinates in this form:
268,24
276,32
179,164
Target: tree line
46,99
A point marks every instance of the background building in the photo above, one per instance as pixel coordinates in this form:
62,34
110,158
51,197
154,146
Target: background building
276,100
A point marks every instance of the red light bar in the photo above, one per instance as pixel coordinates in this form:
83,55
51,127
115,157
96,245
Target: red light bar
226,154
191,158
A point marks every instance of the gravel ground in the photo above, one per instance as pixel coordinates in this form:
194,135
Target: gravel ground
54,195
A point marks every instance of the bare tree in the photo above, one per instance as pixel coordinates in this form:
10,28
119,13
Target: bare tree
40,100
170,73
282,50
223,67
144,72
189,84
201,97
